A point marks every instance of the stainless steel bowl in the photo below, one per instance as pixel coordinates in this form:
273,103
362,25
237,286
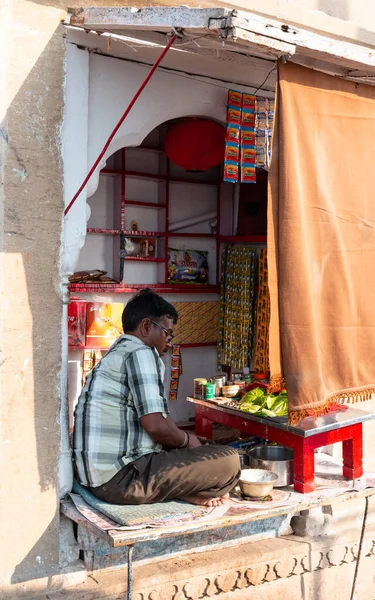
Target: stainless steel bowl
278,459
257,483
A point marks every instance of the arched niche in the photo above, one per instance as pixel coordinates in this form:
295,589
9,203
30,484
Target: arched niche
128,138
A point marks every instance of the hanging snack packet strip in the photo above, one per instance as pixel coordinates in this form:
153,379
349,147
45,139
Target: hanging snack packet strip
176,371
264,108
248,150
232,137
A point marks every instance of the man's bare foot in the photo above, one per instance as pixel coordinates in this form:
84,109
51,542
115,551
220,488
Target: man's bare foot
208,502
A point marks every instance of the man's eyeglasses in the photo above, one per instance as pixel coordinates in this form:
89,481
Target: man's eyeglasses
168,335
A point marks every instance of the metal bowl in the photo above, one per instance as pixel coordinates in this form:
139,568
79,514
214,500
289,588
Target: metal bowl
278,459
230,391
257,482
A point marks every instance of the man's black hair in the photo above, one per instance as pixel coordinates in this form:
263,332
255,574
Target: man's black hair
146,304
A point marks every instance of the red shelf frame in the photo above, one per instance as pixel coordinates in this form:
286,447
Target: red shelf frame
243,239
145,259
167,180
143,233
145,204
191,235
106,348
157,177
166,288
98,230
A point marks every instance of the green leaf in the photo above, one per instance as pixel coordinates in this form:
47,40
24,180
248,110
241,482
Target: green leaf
268,413
252,396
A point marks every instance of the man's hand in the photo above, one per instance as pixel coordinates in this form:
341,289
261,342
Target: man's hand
165,432
193,441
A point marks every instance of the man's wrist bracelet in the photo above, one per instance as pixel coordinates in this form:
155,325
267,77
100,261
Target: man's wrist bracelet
186,441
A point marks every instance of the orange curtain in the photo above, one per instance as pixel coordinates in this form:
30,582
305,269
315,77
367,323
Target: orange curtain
321,232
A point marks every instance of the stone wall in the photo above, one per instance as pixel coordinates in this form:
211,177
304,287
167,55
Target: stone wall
331,567
32,103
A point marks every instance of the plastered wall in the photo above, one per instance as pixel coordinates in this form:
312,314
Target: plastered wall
31,106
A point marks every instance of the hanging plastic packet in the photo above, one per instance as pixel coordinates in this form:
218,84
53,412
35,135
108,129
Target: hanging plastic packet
247,136
248,101
248,174
232,151
260,137
261,104
261,120
235,98
248,117
233,115
231,171
248,155
233,134
270,119
261,157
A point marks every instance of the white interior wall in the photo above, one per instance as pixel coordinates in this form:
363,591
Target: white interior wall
97,252
112,83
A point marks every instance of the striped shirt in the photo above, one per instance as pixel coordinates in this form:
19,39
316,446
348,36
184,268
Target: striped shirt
124,386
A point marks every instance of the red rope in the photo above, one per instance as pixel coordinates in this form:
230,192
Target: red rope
127,111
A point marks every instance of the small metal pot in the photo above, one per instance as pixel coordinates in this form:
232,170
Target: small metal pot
278,459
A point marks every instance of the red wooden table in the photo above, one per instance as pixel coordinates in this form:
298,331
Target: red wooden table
310,433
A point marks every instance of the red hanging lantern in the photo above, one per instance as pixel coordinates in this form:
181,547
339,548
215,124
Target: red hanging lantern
195,144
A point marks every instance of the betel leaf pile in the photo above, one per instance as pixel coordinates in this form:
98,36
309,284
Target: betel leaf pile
260,403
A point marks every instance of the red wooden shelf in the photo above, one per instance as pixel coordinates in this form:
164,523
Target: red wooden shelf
144,204
103,231
192,181
138,233
245,239
199,345
126,232
197,235
105,349
144,259
157,177
111,172
143,175
130,288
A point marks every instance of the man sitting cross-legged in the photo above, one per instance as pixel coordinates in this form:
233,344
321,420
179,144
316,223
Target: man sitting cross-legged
127,448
